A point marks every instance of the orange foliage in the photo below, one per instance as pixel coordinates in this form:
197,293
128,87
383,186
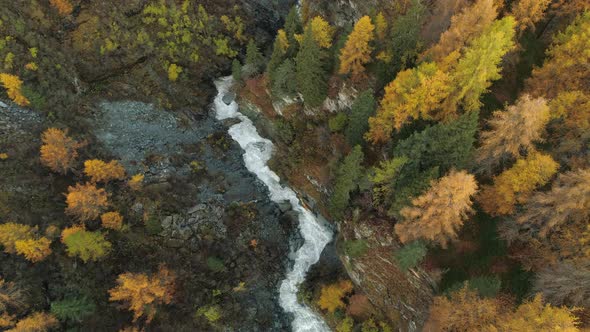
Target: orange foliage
34,250
359,306
99,171
332,295
439,213
58,151
142,293
136,182
11,232
86,201
36,322
64,7
112,220
13,85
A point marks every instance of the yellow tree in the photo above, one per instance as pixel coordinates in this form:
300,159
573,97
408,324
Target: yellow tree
567,66
536,316
13,86
465,26
357,51
332,295
84,244
529,12
381,26
142,293
100,171
34,250
322,32
86,201
136,182
462,311
11,232
520,126
58,152
112,220
517,184
568,201
439,213
36,322
414,94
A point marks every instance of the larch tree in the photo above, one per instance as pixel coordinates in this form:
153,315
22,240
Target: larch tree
567,66
480,65
86,201
519,127
100,171
567,201
439,213
332,295
112,220
310,74
142,293
13,86
59,151
463,310
470,23
34,250
357,51
516,184
36,322
11,232
64,7
280,48
534,315
564,284
381,27
529,12
11,296
322,32
88,246
414,94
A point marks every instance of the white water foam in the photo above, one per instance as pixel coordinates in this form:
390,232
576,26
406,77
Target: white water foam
258,151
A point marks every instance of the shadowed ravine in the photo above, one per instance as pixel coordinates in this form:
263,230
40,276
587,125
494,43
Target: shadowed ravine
257,152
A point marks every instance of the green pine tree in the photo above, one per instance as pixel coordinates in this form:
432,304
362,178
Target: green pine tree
74,309
285,82
358,124
411,254
236,70
293,26
254,58
348,176
311,76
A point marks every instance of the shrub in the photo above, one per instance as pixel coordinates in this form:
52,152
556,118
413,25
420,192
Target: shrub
356,248
411,255
136,182
346,325
337,122
153,225
212,313
215,264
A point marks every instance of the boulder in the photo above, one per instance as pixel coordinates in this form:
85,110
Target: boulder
229,98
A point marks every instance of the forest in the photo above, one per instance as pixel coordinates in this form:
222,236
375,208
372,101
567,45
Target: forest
447,142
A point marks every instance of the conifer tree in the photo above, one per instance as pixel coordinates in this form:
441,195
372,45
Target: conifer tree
519,127
347,178
293,27
405,37
357,51
89,246
73,309
285,81
280,48
362,109
254,58
480,65
529,12
311,80
439,213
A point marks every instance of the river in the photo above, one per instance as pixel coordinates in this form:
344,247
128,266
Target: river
257,153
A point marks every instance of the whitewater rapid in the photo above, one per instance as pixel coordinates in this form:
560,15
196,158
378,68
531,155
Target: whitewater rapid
257,153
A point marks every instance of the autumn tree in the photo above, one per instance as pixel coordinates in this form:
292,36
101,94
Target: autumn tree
64,7
567,66
480,65
332,295
136,182
357,51
13,86
470,23
11,296
322,32
535,316
293,27
381,27
414,94
112,220
84,244
36,322
567,201
310,75
59,151
347,178
86,201
100,171
519,127
529,12
34,250
362,109
517,184
464,310
11,232
439,213
142,293
564,284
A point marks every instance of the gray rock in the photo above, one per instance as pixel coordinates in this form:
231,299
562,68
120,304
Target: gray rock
3,105
285,206
229,98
